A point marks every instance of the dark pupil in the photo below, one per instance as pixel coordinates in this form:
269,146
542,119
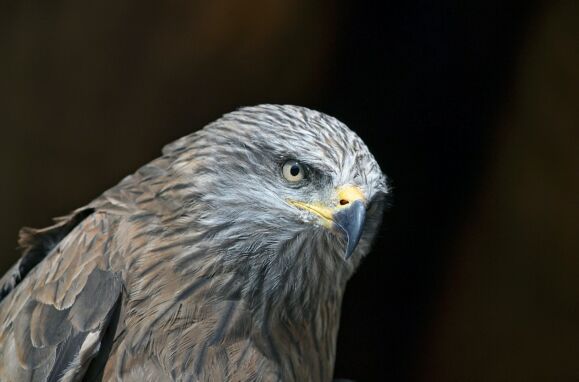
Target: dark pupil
295,170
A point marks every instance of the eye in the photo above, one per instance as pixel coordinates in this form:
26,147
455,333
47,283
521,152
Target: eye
293,171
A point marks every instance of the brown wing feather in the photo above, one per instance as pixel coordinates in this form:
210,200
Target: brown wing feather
52,322
36,244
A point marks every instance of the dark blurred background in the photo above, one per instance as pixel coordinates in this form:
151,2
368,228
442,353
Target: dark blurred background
471,107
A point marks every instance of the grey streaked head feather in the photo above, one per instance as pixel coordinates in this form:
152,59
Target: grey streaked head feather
233,167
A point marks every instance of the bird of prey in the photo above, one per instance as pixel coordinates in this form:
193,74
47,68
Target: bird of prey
225,259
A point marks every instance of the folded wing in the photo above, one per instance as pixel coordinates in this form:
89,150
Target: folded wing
59,300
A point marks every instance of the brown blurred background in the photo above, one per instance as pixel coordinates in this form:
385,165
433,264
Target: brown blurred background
472,108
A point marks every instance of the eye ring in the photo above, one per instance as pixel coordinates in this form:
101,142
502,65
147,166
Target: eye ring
293,171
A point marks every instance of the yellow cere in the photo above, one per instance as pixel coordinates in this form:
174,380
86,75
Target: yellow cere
349,194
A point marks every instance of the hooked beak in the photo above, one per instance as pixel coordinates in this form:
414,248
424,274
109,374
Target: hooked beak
351,221
348,216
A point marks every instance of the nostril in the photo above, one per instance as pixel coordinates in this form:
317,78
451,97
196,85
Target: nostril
343,202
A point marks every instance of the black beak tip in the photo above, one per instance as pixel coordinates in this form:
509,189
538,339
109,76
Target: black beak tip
351,221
